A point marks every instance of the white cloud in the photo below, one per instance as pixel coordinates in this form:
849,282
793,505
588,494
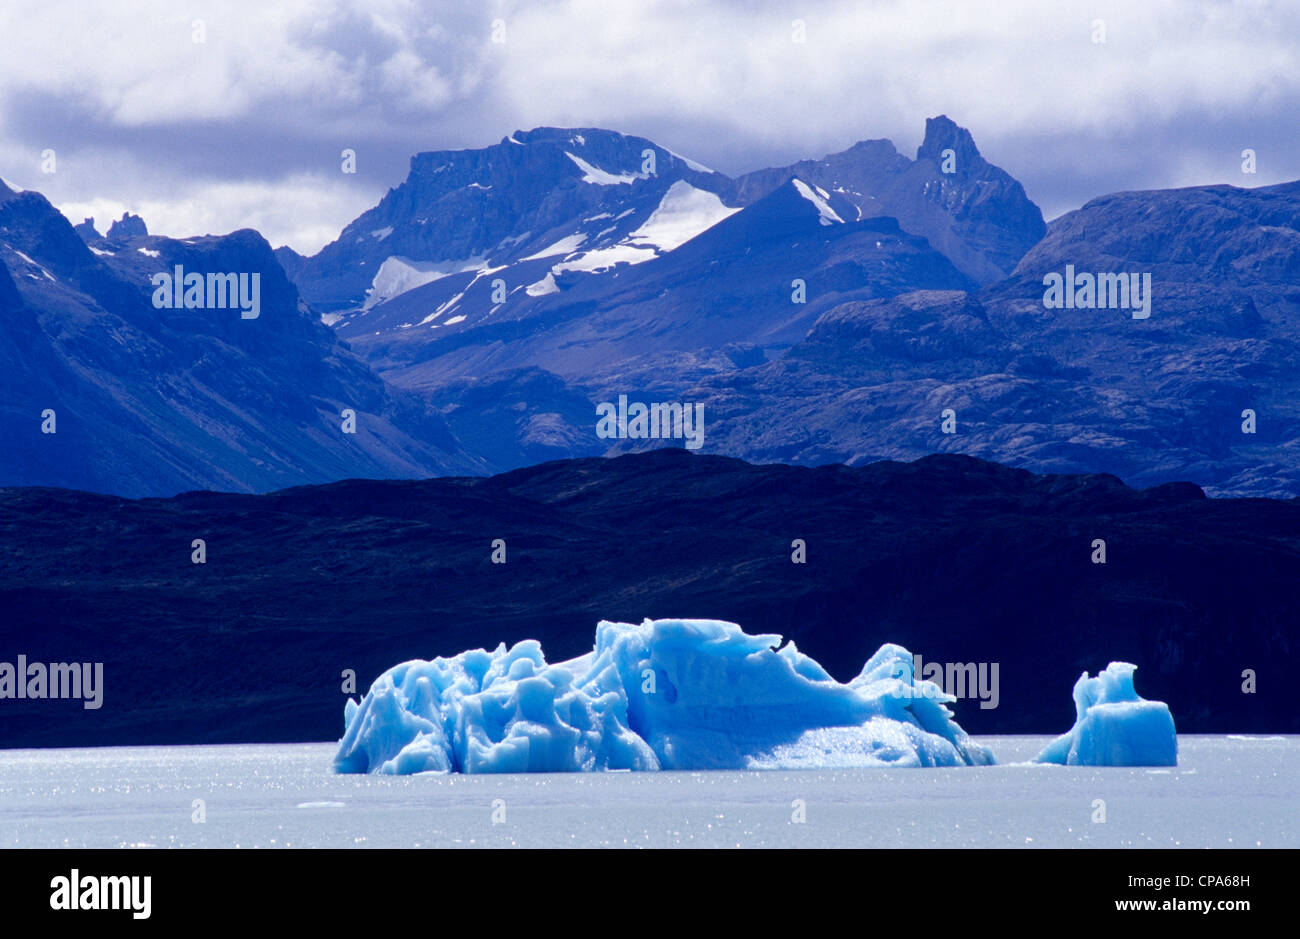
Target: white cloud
136,62
274,209
1012,66
408,79
146,119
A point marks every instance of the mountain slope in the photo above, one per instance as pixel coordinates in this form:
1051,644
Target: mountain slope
154,401
612,265
476,209
1151,400
478,230
656,324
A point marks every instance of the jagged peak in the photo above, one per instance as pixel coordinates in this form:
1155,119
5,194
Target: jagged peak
943,133
87,230
128,226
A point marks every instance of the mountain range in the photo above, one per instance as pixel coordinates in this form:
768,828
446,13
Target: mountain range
923,293
860,307
583,264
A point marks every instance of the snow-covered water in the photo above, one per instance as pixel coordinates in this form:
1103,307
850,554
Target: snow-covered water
1225,792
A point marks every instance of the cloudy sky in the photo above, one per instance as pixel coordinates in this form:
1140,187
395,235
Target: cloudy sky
245,128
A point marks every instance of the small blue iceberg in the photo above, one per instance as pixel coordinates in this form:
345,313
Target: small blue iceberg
1114,726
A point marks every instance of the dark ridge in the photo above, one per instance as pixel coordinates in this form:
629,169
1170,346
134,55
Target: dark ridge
959,559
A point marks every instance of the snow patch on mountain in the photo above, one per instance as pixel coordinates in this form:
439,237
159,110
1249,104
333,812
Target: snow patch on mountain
546,285
446,305
564,247
682,214
39,267
605,258
598,177
397,275
827,215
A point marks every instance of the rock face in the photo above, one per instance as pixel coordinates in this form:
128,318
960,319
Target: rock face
128,226
961,561
968,209
87,232
1204,389
150,401
1202,235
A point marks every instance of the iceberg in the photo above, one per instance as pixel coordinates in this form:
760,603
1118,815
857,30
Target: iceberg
1114,726
668,694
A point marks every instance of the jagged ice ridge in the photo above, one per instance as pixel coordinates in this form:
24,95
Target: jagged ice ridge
700,694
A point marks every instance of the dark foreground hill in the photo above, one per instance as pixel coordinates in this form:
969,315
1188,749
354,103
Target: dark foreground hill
958,559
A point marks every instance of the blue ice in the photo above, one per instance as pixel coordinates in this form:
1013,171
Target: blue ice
664,694
1114,726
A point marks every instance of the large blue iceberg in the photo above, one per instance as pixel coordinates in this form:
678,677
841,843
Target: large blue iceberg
1114,726
665,694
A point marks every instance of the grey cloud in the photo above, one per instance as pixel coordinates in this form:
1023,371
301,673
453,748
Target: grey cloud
1172,101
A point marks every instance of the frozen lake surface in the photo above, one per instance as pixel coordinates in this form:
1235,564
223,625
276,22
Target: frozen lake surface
1226,792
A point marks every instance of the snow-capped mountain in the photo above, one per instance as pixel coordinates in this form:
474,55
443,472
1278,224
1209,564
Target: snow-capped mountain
612,263
748,286
973,212
500,294
592,196
923,283
545,209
